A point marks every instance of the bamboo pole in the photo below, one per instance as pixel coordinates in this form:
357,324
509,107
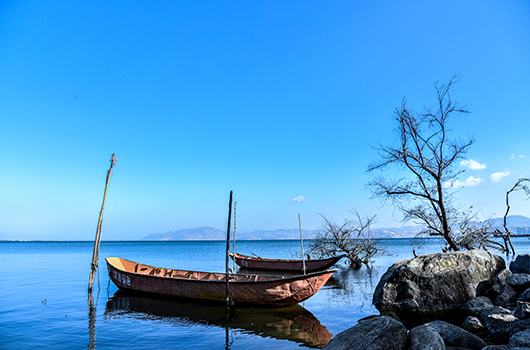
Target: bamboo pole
97,241
227,251
234,240
301,242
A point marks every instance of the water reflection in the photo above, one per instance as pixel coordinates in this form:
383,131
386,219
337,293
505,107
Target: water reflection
346,287
91,322
353,287
293,323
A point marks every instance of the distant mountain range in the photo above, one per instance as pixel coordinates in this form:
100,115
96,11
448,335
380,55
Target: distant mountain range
518,222
512,221
211,233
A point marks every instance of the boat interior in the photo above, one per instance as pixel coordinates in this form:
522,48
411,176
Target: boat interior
131,266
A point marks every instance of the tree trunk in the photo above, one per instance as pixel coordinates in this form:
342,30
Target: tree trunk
443,218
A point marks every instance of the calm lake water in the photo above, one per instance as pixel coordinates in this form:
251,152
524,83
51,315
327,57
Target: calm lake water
44,298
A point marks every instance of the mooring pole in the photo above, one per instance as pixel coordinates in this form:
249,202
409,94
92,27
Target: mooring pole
234,239
97,241
301,242
227,251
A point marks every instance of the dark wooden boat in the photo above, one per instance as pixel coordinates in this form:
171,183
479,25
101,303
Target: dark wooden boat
249,262
211,286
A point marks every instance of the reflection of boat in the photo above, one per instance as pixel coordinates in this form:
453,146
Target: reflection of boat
292,323
210,286
258,263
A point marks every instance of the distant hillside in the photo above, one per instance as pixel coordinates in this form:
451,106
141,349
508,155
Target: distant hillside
512,221
519,223
276,234
211,233
396,232
202,233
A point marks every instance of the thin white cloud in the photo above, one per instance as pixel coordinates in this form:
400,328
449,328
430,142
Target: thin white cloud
469,182
519,156
473,164
497,177
299,199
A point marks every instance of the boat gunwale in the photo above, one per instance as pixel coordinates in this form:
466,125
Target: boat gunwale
253,258
284,265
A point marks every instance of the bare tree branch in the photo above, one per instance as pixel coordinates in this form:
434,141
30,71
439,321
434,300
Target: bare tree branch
426,157
523,184
352,238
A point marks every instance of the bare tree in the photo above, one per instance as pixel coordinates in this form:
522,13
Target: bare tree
425,157
472,233
523,184
352,239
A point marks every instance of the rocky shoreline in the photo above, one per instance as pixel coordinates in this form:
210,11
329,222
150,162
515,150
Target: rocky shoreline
458,300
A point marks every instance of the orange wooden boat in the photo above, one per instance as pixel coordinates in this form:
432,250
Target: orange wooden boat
211,286
258,263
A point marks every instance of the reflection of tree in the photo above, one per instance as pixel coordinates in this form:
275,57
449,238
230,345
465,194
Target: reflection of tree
353,287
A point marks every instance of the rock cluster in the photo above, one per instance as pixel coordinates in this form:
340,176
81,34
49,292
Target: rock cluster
479,304
434,286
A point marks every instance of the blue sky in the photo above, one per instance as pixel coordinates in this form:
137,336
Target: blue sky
275,100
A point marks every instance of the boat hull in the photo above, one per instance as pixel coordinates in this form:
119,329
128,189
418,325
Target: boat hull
211,287
249,262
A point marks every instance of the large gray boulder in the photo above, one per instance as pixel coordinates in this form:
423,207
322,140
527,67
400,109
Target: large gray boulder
519,281
434,286
425,337
475,306
522,310
487,312
456,336
521,264
378,333
493,287
525,296
507,297
502,326
518,326
520,340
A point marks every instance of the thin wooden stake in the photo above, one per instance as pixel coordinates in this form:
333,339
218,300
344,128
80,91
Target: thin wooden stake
97,241
301,241
227,251
234,240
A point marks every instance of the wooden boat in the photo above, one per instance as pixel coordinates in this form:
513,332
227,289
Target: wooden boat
258,263
211,286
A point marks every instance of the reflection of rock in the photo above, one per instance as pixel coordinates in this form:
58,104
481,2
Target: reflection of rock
292,323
